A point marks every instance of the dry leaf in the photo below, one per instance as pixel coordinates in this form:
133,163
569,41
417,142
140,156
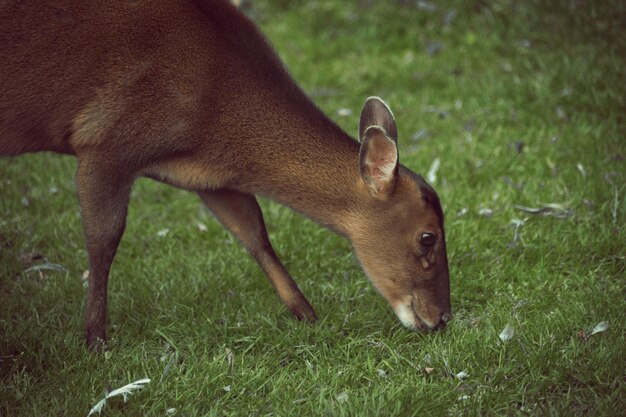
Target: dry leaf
230,358
461,375
433,47
431,176
600,327
517,225
342,397
429,370
553,209
47,266
487,212
507,333
420,134
84,278
475,321
168,367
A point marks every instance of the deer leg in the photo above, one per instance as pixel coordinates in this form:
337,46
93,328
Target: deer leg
103,196
241,215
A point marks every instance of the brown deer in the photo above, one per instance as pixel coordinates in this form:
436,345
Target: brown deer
190,93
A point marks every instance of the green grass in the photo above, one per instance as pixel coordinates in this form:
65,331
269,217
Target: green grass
192,312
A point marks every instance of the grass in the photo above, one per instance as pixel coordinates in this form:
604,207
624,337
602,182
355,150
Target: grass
522,103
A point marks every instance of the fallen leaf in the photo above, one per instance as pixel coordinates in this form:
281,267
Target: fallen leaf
47,266
600,327
163,232
230,358
342,397
507,333
517,225
461,375
419,135
449,17
227,388
202,227
433,47
431,176
343,112
517,222
168,366
581,169
553,209
381,373
487,212
427,6
429,370
475,321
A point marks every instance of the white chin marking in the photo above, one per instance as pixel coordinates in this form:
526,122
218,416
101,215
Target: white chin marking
406,315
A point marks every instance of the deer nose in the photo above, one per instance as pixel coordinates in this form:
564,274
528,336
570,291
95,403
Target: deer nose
445,318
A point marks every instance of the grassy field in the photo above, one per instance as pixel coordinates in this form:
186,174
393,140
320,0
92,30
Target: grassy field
524,107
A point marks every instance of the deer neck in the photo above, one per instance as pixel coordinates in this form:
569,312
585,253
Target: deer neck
305,162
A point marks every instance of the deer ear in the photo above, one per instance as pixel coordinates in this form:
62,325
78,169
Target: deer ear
376,113
378,159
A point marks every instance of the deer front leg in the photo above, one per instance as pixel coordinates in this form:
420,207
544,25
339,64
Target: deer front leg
241,215
103,193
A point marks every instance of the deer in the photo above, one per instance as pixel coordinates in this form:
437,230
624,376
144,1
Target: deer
191,94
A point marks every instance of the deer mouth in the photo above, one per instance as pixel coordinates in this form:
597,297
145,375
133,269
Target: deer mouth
409,317
423,324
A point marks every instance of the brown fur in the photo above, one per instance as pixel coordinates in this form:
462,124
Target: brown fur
189,93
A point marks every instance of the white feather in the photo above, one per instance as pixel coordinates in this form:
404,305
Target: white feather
125,391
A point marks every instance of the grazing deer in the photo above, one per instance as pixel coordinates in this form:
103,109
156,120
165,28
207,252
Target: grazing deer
190,93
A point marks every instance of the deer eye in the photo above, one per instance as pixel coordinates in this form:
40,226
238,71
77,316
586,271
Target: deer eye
427,239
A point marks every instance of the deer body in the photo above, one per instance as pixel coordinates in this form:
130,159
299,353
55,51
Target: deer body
190,94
